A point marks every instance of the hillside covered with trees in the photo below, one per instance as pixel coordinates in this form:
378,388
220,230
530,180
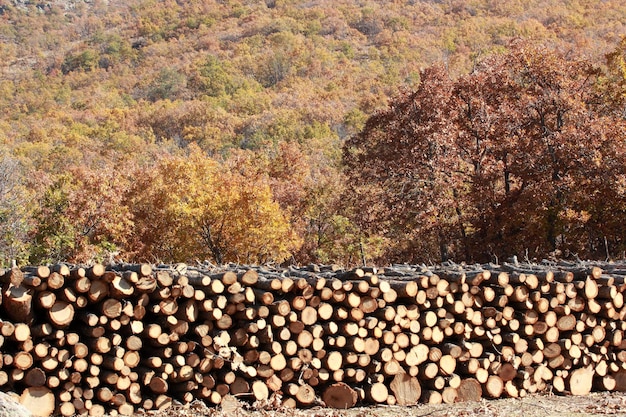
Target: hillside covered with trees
319,131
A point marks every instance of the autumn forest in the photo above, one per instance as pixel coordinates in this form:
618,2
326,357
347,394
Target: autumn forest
285,131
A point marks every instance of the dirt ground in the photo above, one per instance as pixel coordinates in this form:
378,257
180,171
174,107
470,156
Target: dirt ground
595,404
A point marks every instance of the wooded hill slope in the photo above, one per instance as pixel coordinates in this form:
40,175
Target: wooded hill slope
105,104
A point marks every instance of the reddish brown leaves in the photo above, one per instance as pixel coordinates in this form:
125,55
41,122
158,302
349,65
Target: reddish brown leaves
515,158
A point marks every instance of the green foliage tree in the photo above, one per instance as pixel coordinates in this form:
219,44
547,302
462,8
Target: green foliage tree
168,85
87,60
53,239
82,217
14,214
214,78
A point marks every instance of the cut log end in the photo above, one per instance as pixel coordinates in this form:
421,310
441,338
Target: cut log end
406,389
305,394
581,380
61,314
340,395
40,401
379,392
469,390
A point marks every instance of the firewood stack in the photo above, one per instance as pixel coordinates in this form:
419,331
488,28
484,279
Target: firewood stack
117,339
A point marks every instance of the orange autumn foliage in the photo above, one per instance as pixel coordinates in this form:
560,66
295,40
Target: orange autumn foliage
194,207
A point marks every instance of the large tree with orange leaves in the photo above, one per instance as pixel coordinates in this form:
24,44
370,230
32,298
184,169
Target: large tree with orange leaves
516,157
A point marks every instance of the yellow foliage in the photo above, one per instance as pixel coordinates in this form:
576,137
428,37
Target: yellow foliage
208,210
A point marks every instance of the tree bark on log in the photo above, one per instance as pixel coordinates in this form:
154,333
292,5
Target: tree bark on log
18,304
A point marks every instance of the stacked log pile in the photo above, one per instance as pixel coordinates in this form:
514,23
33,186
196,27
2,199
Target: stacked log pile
117,339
